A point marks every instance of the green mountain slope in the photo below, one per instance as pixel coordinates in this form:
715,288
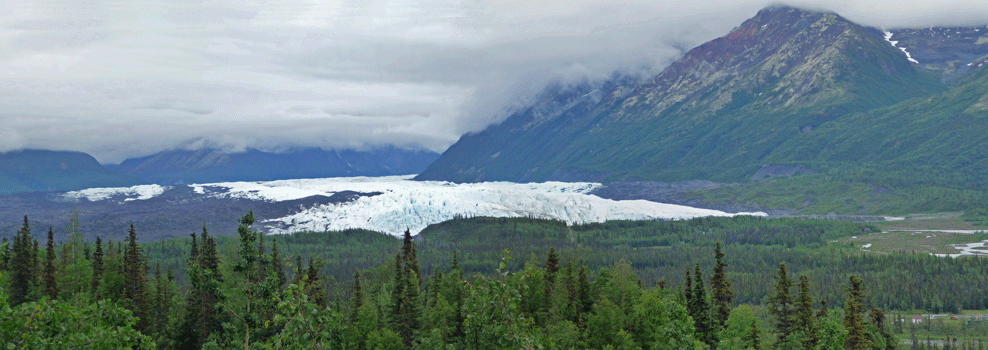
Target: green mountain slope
766,93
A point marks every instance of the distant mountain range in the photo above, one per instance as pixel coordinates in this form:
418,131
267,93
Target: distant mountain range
38,170
796,91
212,165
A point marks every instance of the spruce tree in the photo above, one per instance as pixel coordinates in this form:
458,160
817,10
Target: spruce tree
699,309
193,251
410,255
781,303
356,297
208,258
411,309
397,292
315,288
551,264
586,299
279,267
200,318
22,265
754,340
857,338
688,288
804,315
135,281
720,287
878,319
97,268
4,254
259,292
50,281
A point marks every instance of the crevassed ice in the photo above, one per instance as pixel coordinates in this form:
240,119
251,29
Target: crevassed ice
413,205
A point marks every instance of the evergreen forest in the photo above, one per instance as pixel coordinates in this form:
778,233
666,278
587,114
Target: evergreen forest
489,283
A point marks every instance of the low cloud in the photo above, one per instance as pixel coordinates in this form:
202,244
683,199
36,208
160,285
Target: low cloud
121,79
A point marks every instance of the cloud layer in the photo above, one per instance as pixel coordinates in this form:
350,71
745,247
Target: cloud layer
120,79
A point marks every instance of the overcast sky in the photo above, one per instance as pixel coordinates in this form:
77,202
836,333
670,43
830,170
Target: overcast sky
128,78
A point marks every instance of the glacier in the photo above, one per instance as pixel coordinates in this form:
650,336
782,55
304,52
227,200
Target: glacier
403,204
413,205
136,193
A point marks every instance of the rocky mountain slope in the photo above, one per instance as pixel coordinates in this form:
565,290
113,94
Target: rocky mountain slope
806,90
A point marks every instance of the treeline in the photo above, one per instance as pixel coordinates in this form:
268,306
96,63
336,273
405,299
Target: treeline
246,299
657,251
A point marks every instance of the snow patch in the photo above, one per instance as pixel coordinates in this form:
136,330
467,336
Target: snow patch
970,249
141,192
888,37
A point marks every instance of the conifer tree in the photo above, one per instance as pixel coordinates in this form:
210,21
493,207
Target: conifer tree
857,338
208,258
688,288
135,281
97,268
754,340
397,291
193,251
781,303
162,310
4,254
259,292
297,278
317,292
410,255
22,265
411,310
699,309
50,281
279,266
804,315
551,268
720,287
200,318
586,299
878,319
356,297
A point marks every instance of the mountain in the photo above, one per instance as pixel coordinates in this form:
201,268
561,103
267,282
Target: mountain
39,170
950,51
215,165
788,92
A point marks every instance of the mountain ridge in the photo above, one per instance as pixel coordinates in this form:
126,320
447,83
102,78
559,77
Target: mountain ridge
719,113
45,170
216,165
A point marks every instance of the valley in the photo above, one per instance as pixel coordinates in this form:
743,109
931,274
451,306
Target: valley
802,181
